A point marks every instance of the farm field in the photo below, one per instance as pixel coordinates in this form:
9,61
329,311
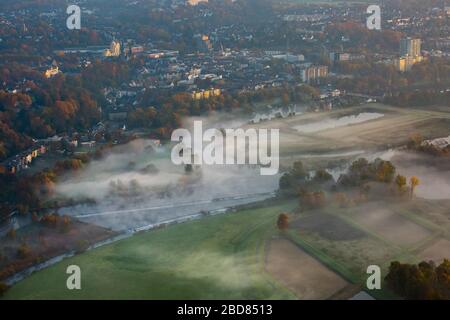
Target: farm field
300,272
391,226
437,252
348,240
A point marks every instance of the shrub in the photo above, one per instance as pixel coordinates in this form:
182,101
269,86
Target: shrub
23,251
3,288
283,221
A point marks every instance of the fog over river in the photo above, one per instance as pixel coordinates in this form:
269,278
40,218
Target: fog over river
137,187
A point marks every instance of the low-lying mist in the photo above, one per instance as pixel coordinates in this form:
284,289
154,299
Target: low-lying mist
336,123
137,185
433,172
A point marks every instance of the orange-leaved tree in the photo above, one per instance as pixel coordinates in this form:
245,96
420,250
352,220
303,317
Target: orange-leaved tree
283,221
413,182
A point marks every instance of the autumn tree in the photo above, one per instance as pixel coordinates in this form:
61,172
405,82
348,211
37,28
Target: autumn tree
415,141
283,221
385,171
400,181
142,118
361,171
322,176
312,200
319,199
295,179
298,171
342,200
424,281
413,182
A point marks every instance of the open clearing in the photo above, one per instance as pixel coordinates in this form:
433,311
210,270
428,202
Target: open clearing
300,272
437,252
390,225
343,246
433,211
328,227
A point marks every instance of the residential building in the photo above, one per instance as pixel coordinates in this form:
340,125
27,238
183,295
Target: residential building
114,50
404,64
291,58
206,94
314,73
410,47
410,54
337,56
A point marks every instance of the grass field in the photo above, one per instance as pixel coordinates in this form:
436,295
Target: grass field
234,256
393,129
220,257
231,256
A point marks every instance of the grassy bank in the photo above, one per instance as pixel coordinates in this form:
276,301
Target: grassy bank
220,257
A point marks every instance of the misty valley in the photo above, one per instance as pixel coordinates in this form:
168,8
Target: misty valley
221,150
